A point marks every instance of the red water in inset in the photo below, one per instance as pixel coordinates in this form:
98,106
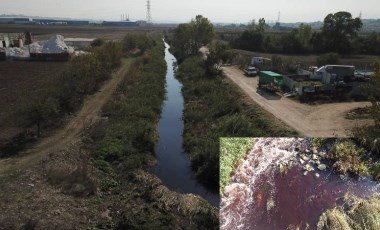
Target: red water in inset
277,200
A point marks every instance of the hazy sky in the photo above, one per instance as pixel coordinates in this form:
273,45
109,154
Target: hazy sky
182,11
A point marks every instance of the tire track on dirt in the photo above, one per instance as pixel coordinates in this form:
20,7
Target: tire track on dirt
325,120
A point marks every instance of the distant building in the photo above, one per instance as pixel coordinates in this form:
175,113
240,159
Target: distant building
141,23
16,20
75,22
120,23
60,22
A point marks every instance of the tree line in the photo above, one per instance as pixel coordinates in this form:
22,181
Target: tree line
339,34
201,76
213,108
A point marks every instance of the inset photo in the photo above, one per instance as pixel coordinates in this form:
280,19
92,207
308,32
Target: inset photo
298,183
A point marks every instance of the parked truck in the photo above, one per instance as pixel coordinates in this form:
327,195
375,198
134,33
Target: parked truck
260,61
270,80
250,71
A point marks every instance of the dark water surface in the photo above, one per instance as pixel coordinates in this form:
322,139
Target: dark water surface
174,168
300,200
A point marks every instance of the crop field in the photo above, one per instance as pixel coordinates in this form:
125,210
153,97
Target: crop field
20,82
41,32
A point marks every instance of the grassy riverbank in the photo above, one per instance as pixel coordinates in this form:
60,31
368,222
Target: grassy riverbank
126,149
355,213
215,108
232,151
350,156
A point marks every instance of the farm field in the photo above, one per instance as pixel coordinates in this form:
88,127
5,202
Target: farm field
41,32
20,82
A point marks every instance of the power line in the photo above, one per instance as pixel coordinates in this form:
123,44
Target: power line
148,13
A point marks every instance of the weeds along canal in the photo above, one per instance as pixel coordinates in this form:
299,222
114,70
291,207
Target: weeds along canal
173,167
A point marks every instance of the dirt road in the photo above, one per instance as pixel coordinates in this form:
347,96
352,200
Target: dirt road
326,120
71,132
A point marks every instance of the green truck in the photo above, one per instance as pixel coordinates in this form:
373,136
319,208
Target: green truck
270,80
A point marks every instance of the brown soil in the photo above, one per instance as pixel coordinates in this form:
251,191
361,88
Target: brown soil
325,120
20,82
34,191
90,31
30,201
88,115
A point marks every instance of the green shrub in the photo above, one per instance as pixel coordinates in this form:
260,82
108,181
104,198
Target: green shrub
318,142
97,42
357,214
375,172
133,113
141,42
215,108
232,150
328,59
348,158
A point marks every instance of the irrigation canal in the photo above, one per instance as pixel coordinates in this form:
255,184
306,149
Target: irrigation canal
174,167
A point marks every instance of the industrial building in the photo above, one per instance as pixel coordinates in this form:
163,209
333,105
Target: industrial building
15,20
45,21
60,22
120,23
27,20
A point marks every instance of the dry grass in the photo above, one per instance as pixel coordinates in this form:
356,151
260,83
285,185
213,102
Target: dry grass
355,214
77,182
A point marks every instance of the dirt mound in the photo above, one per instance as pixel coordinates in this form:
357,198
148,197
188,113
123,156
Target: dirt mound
56,44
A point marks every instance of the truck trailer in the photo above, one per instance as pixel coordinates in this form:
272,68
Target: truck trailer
270,80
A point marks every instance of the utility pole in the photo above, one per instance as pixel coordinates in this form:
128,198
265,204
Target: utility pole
277,25
148,14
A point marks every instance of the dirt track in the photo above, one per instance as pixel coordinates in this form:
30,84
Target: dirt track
326,120
71,132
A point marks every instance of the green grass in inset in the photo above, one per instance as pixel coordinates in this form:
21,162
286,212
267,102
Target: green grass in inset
232,150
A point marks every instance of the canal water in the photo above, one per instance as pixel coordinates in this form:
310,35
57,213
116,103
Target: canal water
261,197
174,168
